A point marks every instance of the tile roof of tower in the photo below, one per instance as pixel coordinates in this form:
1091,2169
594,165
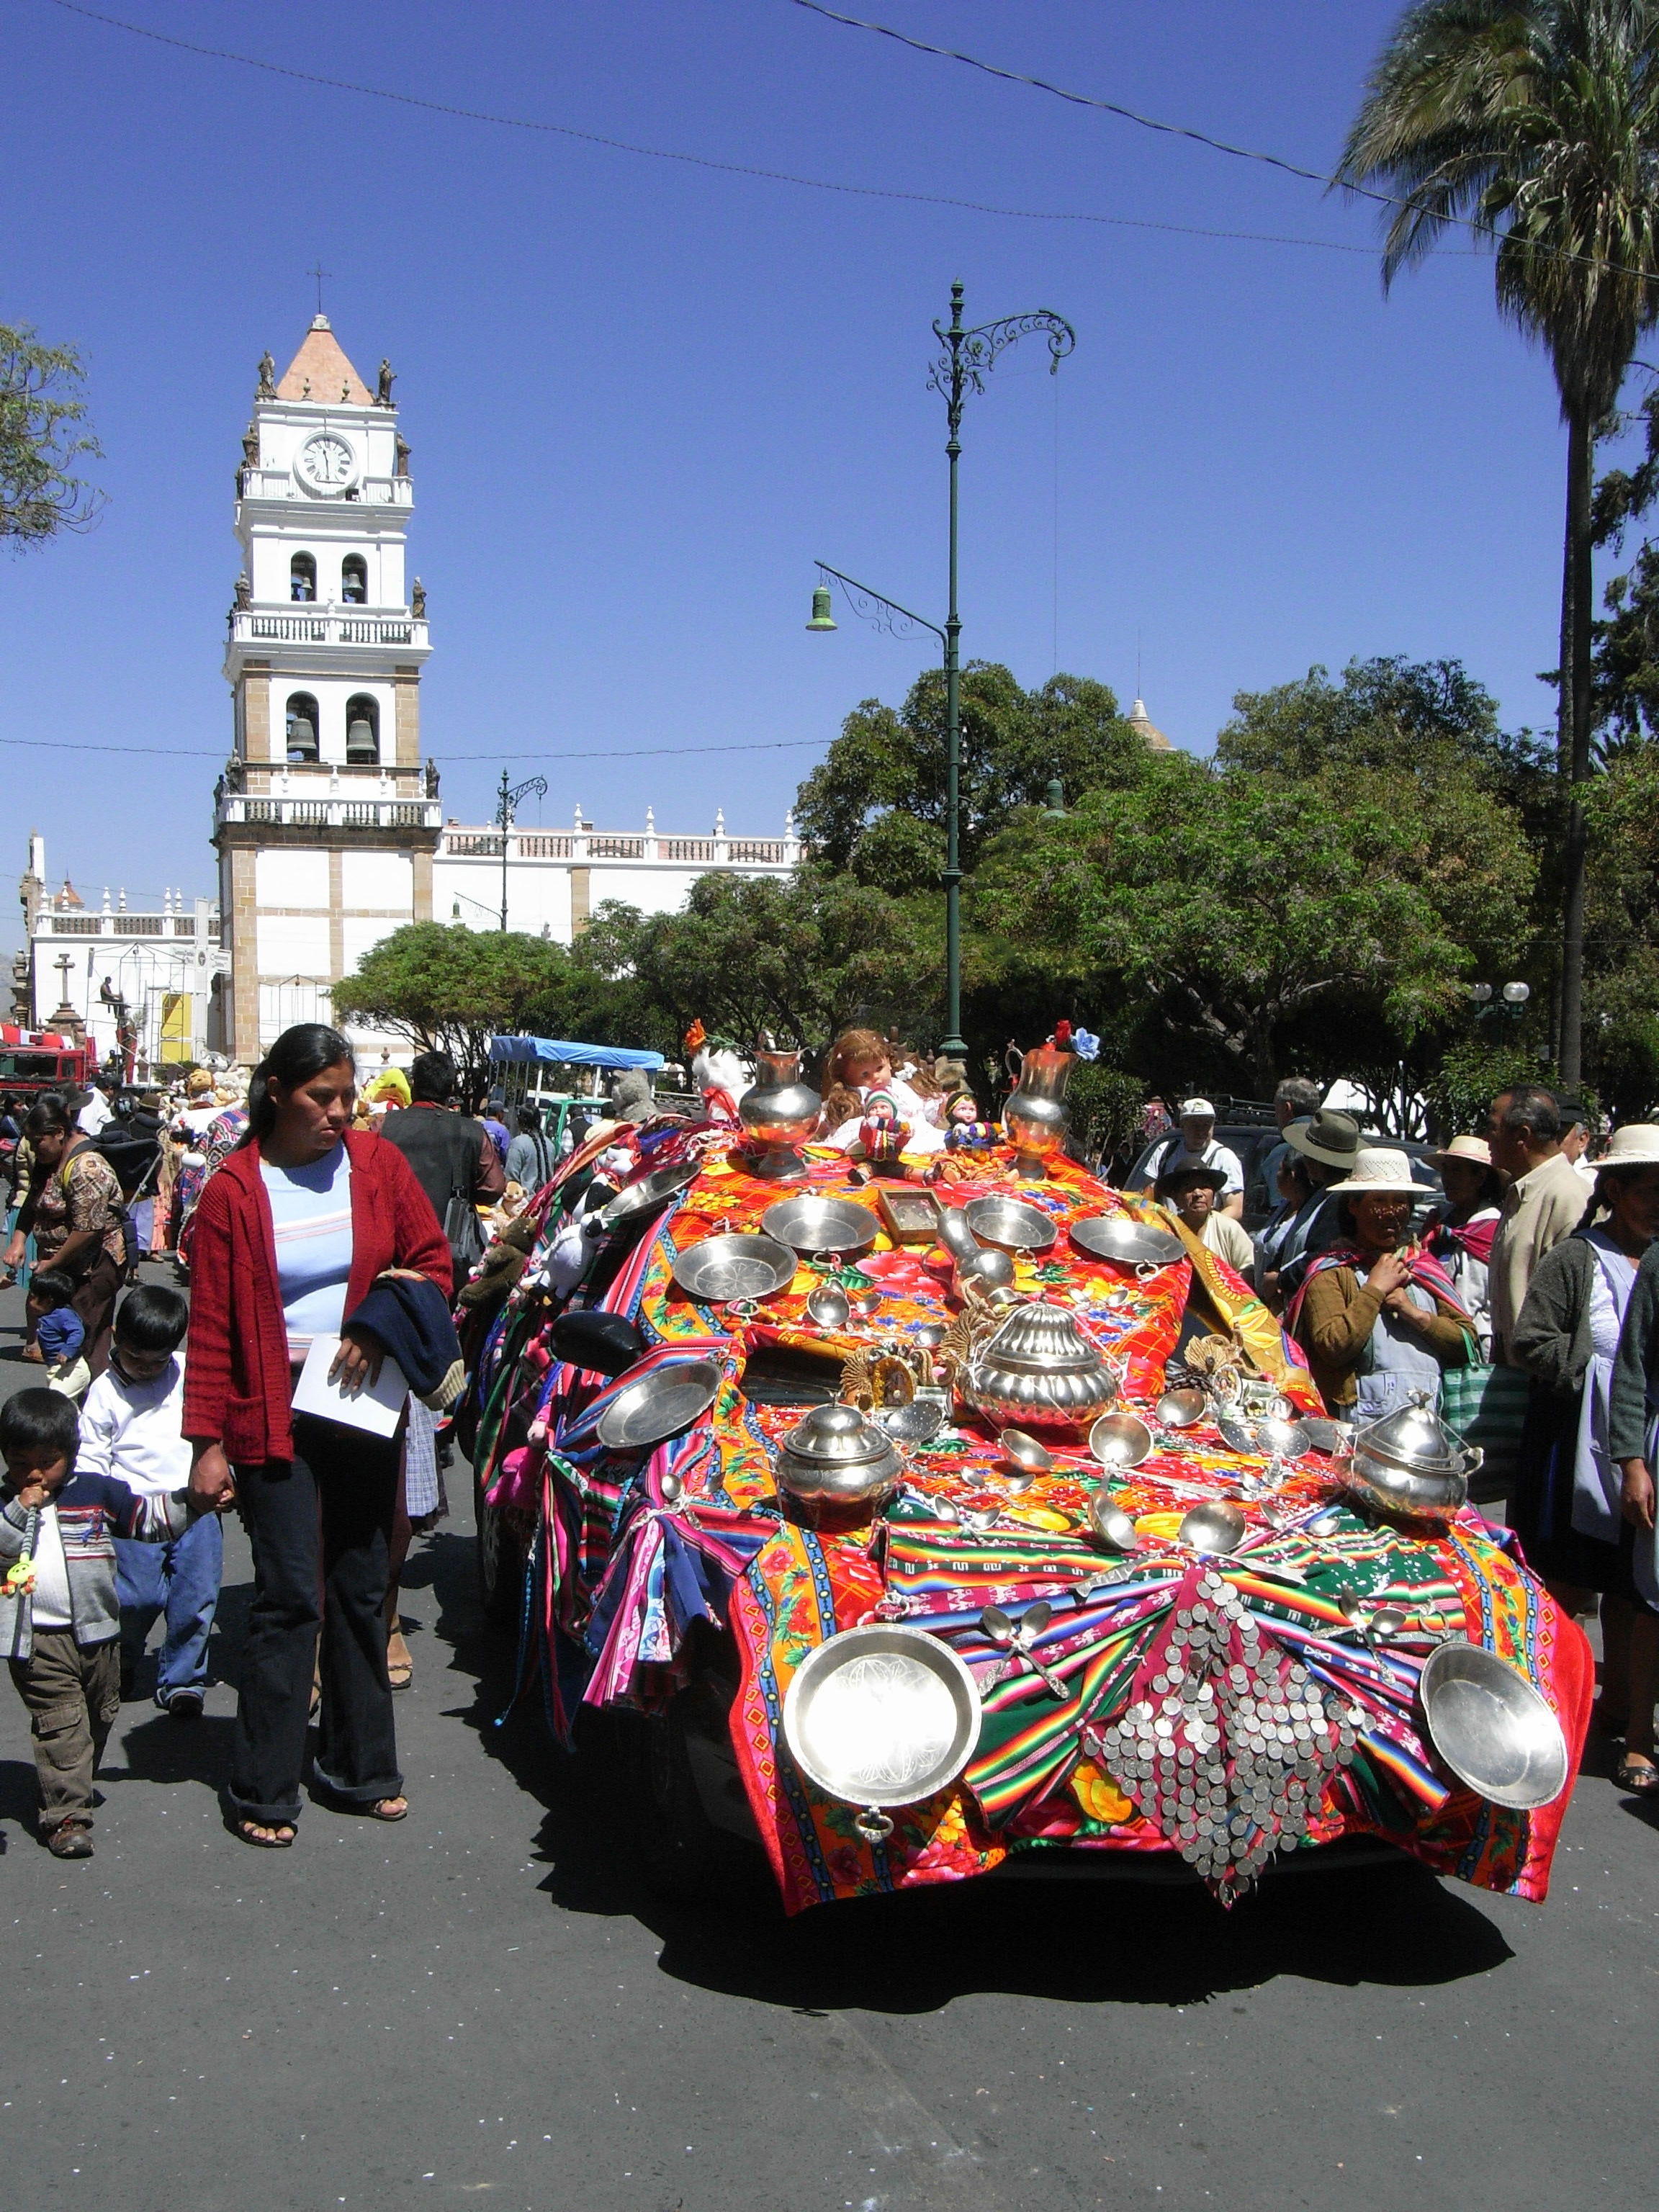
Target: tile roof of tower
320,371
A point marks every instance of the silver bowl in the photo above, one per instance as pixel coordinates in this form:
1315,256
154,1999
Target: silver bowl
1131,1243
1009,1224
881,1716
722,1269
660,1404
1436,1495
1120,1440
1492,1728
812,1226
650,1192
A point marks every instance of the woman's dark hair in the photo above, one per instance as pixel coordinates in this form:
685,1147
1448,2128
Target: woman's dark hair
298,1054
152,1319
530,1120
50,1288
41,1425
49,1116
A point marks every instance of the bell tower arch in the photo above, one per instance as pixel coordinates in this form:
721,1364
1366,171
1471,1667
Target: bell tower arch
324,820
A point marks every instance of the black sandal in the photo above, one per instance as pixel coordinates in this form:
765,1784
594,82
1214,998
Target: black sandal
1639,1776
274,1841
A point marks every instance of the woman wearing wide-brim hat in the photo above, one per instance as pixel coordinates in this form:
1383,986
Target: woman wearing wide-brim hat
1378,1315
1567,1504
1460,1233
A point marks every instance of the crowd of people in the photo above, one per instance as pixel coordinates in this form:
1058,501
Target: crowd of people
318,1211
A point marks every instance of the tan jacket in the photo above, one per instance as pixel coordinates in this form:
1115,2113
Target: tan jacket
1340,1310
1541,1208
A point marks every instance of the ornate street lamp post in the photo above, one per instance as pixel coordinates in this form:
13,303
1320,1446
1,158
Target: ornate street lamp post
507,800
968,356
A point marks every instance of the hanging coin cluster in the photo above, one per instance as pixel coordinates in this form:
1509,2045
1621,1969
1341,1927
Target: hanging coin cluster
1226,1743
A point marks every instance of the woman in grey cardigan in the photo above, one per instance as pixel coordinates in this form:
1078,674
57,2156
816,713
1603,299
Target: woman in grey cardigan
1567,1507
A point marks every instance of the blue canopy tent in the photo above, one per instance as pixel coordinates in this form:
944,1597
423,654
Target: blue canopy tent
562,1050
522,1057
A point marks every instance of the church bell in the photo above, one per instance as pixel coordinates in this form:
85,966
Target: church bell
361,751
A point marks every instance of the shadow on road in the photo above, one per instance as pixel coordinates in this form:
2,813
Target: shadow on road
1077,1941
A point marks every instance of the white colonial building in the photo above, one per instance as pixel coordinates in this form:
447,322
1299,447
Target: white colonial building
327,823
159,975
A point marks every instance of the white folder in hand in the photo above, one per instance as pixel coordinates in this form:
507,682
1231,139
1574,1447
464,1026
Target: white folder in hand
378,1407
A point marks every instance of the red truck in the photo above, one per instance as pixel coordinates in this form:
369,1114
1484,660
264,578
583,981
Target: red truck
32,1061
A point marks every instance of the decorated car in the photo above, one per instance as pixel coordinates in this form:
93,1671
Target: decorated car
974,1515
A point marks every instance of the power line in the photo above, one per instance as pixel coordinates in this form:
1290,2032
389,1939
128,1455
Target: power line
594,753
696,160
1197,138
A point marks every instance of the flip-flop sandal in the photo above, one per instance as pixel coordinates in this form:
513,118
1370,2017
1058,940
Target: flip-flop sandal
1640,1779
377,1812
243,1833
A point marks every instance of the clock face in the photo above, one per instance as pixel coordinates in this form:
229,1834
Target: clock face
326,463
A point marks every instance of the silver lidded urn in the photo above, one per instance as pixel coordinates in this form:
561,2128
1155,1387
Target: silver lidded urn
1040,1371
778,1113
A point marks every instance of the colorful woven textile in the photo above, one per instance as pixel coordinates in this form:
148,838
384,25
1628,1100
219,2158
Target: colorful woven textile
1225,1707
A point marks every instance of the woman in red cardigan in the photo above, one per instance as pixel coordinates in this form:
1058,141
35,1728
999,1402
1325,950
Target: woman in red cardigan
289,1235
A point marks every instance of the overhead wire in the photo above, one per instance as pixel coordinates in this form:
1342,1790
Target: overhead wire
1331,182
441,753
694,161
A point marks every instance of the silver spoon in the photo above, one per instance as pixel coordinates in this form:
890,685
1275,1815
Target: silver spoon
1113,1528
1015,1635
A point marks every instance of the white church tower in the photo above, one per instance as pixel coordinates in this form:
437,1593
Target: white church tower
325,821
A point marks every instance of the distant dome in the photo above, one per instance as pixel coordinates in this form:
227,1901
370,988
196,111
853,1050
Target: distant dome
1152,738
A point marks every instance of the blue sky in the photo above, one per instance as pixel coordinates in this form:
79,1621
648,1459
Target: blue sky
643,396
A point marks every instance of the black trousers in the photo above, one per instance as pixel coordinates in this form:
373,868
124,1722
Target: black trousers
323,1517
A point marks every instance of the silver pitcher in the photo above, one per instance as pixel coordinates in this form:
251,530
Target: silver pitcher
778,1113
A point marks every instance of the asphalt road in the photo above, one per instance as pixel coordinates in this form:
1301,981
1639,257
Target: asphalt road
486,2003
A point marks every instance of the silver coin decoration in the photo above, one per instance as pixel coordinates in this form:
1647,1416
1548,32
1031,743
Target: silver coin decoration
1226,1744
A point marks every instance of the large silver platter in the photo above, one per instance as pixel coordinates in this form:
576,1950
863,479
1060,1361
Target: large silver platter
660,1404
1132,1243
1010,1224
810,1224
1492,1728
881,1716
722,1268
649,1192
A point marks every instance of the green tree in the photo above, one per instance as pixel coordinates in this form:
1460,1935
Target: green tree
801,957
875,805
43,438
1239,911
1538,121
448,988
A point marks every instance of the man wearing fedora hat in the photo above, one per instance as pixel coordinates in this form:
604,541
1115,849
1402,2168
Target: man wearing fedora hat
1328,1143
1191,1192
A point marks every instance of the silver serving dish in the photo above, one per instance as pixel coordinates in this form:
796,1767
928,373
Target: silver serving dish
1272,1437
1009,1224
812,1225
1131,1243
881,1716
1324,1435
650,1192
722,1269
1120,1440
1040,1370
1492,1728
660,1404
1411,1464
1215,1526
834,1453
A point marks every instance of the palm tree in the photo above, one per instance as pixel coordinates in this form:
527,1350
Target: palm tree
1536,121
